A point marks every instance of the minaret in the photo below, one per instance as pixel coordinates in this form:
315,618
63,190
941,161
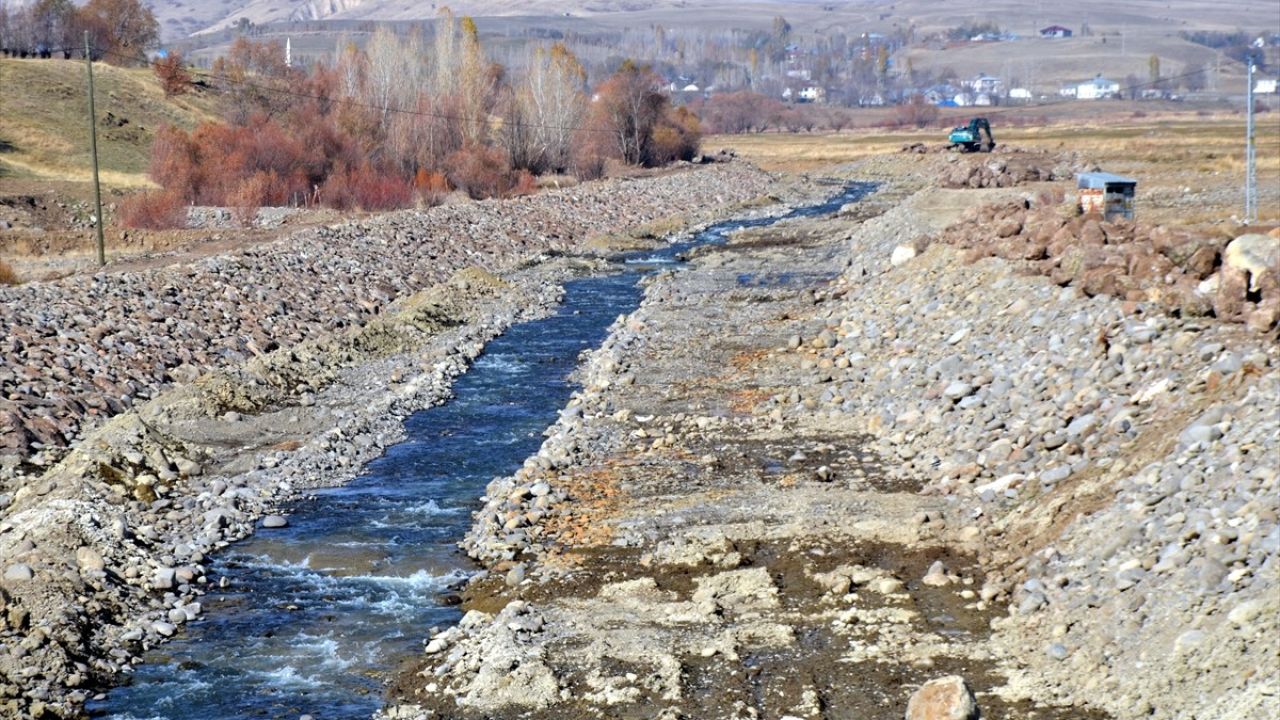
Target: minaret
288,52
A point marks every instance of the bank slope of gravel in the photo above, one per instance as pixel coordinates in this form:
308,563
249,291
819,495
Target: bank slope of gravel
77,351
103,555
1114,465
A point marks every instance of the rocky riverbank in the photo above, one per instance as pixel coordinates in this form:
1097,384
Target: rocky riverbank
831,461
77,351
103,553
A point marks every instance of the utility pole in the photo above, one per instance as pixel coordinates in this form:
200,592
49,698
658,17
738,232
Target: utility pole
1250,157
93,147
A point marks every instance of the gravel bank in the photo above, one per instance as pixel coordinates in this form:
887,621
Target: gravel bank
102,554
77,351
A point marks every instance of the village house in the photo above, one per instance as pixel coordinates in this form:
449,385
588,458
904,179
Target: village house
1096,89
1055,31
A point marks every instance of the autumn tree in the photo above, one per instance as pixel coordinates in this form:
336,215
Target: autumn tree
120,31
476,84
630,104
553,104
172,73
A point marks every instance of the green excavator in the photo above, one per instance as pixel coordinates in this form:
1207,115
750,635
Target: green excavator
974,137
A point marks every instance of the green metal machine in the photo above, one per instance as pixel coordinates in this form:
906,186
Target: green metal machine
974,137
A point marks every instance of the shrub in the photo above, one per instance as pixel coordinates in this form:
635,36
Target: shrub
431,186
480,171
365,188
154,210
526,184
251,194
916,112
8,276
588,166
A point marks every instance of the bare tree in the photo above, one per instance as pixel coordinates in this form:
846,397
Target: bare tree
554,103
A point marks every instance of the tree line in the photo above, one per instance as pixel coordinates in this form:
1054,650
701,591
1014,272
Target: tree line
121,31
402,121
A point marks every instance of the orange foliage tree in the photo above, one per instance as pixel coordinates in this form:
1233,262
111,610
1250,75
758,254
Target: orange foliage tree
172,74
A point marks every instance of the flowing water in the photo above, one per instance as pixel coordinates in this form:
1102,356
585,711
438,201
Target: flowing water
317,614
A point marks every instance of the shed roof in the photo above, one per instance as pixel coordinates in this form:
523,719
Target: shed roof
1099,180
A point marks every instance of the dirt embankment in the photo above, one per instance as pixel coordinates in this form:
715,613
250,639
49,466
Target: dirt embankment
103,553
814,470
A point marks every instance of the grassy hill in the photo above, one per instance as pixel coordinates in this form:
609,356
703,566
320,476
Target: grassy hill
44,130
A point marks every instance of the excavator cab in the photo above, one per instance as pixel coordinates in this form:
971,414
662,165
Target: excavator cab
974,137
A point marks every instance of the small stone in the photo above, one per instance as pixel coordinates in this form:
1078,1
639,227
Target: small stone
1082,425
89,559
937,575
1057,651
163,578
1055,475
957,390
1246,612
18,572
275,521
902,255
165,629
515,575
944,698
1199,435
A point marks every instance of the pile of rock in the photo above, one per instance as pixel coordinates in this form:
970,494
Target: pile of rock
1001,172
79,350
1124,460
1192,273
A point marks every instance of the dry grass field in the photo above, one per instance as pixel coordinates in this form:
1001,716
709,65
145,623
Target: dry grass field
1190,169
43,126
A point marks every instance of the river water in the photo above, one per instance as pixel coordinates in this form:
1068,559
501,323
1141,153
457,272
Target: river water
317,615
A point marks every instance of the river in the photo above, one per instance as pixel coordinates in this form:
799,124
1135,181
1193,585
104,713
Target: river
315,616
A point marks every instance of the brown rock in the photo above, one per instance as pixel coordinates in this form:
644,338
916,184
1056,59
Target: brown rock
944,698
1008,228
1265,316
1202,262
1233,288
1105,280
1091,233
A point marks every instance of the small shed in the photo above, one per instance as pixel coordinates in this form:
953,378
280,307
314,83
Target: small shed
1110,195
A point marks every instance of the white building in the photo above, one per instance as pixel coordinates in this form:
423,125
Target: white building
1265,86
813,94
1097,89
986,84
1020,94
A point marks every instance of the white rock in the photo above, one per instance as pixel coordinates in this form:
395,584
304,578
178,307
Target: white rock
902,255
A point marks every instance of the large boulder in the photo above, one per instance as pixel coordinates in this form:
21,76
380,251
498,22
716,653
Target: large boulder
1249,281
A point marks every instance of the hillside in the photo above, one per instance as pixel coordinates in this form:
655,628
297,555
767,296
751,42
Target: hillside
42,120
180,18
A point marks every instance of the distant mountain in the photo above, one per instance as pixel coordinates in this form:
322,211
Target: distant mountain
180,18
